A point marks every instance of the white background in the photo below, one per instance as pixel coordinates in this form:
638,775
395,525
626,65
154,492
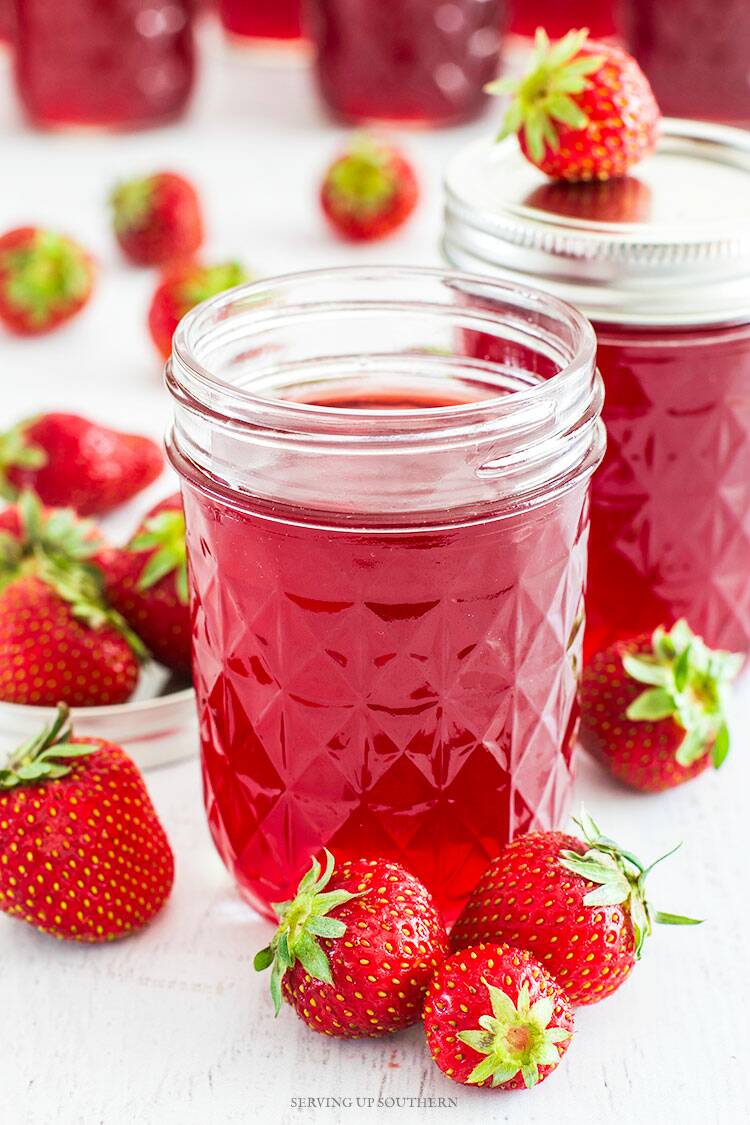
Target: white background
172,1027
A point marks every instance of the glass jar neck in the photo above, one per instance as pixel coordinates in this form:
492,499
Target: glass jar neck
303,392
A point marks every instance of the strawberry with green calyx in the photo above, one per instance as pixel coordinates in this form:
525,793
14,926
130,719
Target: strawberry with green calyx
83,855
355,948
59,637
584,913
157,219
181,289
147,583
495,1018
45,279
369,191
585,111
71,461
657,738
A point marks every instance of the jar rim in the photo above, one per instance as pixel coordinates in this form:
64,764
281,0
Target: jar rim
189,376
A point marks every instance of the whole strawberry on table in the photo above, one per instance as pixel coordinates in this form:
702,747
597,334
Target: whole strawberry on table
584,111
654,708
83,855
45,280
157,219
72,461
183,286
369,191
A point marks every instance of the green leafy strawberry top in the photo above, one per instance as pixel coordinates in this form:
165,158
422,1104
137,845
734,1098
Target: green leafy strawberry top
131,202
16,451
689,683
164,534
620,877
363,179
516,1037
206,281
45,757
546,94
47,273
56,546
302,920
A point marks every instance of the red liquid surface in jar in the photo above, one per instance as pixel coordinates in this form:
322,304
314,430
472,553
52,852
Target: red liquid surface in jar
696,55
104,63
262,19
405,692
559,16
420,62
670,520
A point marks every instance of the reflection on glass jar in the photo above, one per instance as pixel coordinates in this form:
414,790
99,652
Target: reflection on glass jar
387,544
427,63
104,63
695,54
660,263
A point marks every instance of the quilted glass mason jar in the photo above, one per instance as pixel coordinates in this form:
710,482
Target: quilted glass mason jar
660,263
387,544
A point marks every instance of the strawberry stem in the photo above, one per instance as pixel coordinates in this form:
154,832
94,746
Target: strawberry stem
17,452
43,757
164,534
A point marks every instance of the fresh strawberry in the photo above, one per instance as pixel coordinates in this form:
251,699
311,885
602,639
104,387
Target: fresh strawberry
183,287
356,948
147,583
585,110
45,279
59,638
70,461
657,738
157,219
82,853
369,191
495,1018
578,905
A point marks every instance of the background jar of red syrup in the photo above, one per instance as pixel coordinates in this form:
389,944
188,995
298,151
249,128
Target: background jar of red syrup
660,263
422,62
557,17
264,21
114,64
387,542
695,54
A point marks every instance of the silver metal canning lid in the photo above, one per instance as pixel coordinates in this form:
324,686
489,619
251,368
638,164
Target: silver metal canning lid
668,245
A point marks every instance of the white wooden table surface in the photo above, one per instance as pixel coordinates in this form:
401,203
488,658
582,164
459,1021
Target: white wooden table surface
172,1027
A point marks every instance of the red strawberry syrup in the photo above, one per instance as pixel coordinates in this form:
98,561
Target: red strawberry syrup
670,519
104,63
419,62
262,19
406,692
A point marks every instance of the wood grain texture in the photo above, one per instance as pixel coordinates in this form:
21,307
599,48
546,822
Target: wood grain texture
172,1027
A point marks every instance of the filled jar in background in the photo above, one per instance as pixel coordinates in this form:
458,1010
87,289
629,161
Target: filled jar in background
660,263
557,17
115,64
696,55
387,542
418,62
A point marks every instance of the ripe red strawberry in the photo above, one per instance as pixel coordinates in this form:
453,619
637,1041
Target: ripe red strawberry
59,639
157,219
585,110
45,279
578,905
495,1018
82,853
70,461
369,191
183,287
356,948
658,738
147,583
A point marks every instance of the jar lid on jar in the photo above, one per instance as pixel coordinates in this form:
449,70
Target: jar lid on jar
667,245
